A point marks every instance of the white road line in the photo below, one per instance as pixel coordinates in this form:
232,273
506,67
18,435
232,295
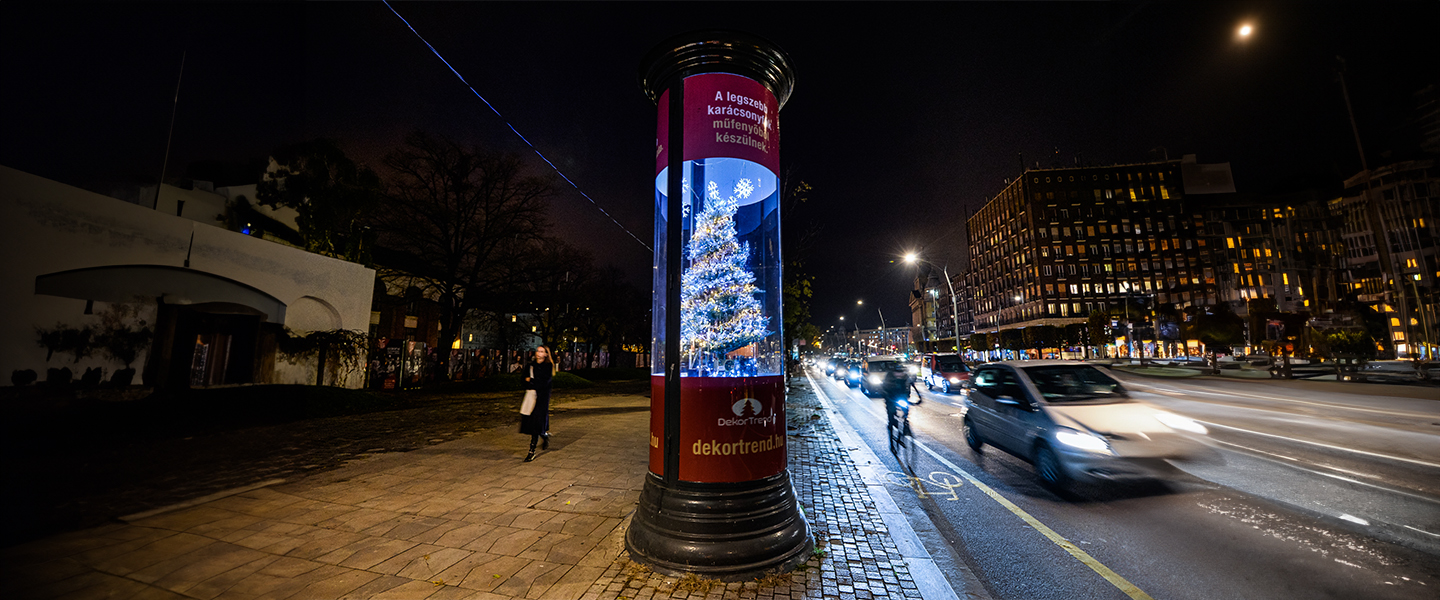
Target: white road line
1109,575
1422,531
1331,475
927,575
1393,413
1415,461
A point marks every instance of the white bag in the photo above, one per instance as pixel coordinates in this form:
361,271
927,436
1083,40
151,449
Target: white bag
527,405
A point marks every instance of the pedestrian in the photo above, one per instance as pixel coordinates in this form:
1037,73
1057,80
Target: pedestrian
537,424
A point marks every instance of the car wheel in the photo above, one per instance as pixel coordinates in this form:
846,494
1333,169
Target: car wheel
972,437
945,387
1049,470
929,384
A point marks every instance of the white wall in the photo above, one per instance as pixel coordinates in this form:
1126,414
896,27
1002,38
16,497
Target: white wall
47,226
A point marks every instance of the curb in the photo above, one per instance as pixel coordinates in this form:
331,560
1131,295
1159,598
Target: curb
928,578
198,501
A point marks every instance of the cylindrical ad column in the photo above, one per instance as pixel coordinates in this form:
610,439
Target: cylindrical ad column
718,499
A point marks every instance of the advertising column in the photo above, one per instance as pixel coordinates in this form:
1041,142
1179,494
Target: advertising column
718,499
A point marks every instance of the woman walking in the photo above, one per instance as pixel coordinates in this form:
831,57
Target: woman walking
537,377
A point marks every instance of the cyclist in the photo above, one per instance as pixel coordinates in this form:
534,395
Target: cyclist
896,388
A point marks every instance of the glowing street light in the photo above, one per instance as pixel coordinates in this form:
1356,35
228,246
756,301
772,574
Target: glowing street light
912,258
1246,30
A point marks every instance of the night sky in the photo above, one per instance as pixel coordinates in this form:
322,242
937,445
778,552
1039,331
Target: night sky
904,116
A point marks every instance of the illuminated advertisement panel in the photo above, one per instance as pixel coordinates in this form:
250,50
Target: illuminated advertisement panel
732,400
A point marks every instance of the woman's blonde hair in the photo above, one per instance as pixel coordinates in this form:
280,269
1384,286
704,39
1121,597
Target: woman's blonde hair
549,357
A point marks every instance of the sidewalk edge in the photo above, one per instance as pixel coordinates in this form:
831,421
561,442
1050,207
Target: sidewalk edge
198,501
928,578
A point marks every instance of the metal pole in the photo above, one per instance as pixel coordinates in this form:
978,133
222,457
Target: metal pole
954,308
174,108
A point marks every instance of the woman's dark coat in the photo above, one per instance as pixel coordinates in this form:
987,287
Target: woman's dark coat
538,421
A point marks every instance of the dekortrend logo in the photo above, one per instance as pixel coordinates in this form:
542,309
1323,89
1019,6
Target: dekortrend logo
752,405
748,411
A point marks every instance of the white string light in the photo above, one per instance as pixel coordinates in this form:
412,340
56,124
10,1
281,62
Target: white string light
512,127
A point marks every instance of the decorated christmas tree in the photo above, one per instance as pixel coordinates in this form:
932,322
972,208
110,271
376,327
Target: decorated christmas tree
719,312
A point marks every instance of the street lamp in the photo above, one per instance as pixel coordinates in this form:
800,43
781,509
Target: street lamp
912,258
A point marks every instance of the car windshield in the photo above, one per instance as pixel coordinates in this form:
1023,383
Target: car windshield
877,366
952,365
1074,382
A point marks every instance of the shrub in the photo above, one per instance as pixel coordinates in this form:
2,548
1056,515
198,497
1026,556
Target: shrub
23,378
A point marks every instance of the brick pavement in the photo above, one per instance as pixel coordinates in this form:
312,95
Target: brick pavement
464,519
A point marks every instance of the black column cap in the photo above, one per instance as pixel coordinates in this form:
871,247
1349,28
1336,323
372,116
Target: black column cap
717,51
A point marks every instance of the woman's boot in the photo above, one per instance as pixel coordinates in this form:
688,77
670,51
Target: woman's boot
545,441
531,456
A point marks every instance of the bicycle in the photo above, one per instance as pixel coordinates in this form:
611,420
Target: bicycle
897,426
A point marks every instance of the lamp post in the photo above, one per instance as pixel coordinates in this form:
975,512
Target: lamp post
913,259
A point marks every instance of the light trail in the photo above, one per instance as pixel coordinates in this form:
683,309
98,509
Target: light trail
512,127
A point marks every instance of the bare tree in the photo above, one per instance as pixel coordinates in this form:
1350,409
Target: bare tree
458,219
330,192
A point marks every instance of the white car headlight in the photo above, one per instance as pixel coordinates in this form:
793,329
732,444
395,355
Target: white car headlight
954,380
1175,421
1083,441
876,379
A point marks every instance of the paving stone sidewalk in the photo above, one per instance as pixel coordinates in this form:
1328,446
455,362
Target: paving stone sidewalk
463,519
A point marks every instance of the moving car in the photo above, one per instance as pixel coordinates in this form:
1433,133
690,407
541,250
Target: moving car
854,373
874,373
943,371
1074,423
830,364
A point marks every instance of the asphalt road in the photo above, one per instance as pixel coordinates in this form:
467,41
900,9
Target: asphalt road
1266,517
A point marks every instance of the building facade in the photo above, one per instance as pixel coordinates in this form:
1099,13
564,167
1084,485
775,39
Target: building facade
1059,244
1390,235
215,301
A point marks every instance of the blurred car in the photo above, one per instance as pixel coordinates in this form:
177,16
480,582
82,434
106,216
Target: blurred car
830,364
943,371
854,373
1074,423
875,368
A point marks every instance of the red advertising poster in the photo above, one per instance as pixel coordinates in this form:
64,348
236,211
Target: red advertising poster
732,398
732,429
730,116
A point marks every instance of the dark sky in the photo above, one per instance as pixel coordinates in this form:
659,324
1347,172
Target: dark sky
903,117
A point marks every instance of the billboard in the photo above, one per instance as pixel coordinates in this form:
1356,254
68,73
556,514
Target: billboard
732,398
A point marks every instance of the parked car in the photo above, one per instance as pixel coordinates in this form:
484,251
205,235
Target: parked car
1074,422
943,371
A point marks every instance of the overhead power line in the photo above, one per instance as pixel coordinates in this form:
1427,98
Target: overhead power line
512,127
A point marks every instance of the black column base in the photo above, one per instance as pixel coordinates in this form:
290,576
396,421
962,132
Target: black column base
725,531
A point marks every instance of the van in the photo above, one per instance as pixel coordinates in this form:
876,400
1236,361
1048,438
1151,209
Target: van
943,372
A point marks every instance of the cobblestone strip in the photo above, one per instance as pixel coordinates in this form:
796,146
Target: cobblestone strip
855,558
